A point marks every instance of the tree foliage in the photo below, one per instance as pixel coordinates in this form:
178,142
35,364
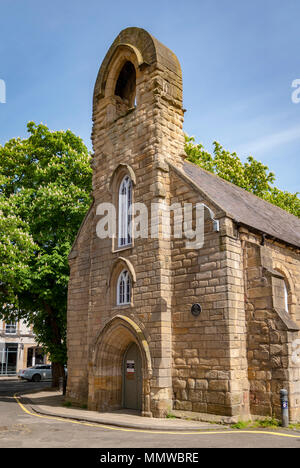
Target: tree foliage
45,186
251,175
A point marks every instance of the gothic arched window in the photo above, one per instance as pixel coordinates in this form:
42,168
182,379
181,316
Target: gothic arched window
124,288
125,216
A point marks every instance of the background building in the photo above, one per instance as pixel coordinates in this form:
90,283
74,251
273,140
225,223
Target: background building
18,348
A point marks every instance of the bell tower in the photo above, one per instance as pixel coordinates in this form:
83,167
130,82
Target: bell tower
137,128
138,94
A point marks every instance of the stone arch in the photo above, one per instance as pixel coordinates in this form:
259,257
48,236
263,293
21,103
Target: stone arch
105,382
119,265
122,54
140,48
292,298
123,57
119,82
120,171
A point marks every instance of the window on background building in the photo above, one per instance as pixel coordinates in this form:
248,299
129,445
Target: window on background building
125,202
11,328
124,288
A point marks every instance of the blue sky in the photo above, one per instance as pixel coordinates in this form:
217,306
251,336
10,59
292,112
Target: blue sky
239,59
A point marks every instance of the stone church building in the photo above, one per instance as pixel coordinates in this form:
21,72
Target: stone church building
155,325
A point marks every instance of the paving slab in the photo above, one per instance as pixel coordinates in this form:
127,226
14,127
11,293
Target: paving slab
50,403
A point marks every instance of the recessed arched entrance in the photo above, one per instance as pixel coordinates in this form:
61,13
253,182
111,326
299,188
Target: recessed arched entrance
120,347
132,378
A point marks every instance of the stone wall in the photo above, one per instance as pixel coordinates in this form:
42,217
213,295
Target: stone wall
271,330
209,352
78,313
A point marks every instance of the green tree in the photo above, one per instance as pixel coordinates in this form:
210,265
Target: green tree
45,186
251,175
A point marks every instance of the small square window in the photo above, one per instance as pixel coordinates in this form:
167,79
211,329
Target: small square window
11,328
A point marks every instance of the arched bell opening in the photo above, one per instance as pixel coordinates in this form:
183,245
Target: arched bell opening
126,85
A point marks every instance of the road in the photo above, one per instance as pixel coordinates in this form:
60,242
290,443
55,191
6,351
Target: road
18,429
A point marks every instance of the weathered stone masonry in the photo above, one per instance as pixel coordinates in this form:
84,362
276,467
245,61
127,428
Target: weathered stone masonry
234,358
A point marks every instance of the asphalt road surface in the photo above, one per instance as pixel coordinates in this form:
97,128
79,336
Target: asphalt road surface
18,429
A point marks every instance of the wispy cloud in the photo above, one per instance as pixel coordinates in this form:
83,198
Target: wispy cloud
270,141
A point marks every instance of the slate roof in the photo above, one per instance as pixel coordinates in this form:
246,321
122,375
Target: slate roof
244,207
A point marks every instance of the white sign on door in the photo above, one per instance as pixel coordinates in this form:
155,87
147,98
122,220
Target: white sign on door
130,367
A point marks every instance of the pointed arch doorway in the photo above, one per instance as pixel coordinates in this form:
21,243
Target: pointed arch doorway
111,353
132,378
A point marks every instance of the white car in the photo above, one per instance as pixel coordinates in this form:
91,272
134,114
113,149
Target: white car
36,373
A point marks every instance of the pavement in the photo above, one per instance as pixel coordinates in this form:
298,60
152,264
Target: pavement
7,378
50,403
21,426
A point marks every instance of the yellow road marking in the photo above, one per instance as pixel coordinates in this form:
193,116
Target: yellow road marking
101,426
